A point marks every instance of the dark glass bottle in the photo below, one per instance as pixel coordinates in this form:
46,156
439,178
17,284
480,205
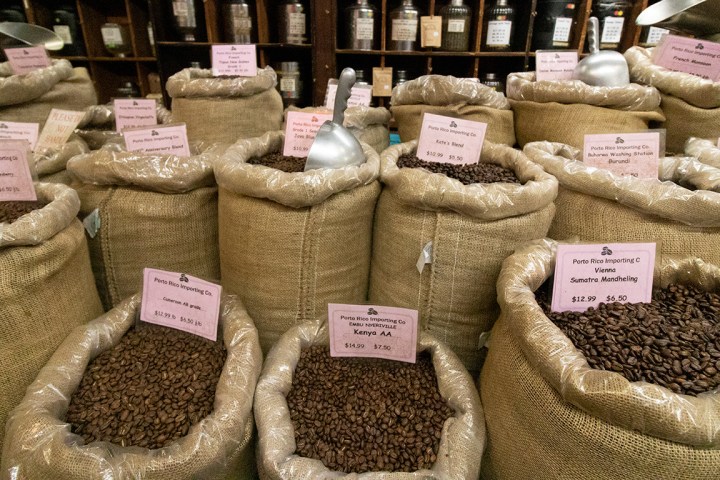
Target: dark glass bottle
553,24
613,20
66,25
456,26
187,19
498,27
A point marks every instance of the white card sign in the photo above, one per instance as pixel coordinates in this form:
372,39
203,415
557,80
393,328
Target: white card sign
171,138
300,131
450,140
234,60
59,126
555,64
20,131
360,95
633,154
27,59
134,112
16,181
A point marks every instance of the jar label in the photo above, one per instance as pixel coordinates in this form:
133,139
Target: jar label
655,34
498,33
404,30
624,154
450,140
364,28
300,131
20,131
159,139
561,32
111,36
134,112
27,59
59,125
296,24
180,9
63,31
456,26
288,85
234,60
16,183
612,29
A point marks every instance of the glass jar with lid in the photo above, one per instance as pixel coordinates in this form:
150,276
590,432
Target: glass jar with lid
456,26
612,17
404,27
116,38
499,25
237,21
553,25
362,26
290,84
292,22
493,81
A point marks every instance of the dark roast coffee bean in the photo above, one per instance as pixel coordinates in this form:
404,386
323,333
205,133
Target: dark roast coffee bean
467,174
279,161
11,211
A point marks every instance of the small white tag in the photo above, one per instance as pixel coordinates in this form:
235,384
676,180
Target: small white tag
92,223
425,257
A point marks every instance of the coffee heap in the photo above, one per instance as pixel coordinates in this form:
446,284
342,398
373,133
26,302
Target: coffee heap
673,341
279,161
365,415
467,174
11,211
148,390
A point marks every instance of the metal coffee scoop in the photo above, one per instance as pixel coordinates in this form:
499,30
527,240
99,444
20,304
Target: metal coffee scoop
602,68
700,18
20,33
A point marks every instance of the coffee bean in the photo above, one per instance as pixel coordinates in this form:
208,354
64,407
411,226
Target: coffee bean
11,211
467,174
279,161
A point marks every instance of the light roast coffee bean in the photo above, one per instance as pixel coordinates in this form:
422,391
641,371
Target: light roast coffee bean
148,390
279,161
11,211
467,174
365,415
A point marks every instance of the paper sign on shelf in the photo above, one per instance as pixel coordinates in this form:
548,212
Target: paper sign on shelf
16,182
300,131
27,59
382,81
59,126
689,55
450,140
586,275
234,60
634,154
20,131
373,331
360,95
134,113
171,138
555,64
181,301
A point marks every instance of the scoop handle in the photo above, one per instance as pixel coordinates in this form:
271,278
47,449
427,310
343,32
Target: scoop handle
345,83
593,35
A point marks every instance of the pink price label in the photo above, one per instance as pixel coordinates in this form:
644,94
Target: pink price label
134,113
16,181
20,131
689,55
633,154
171,139
27,59
373,331
300,131
234,60
450,140
59,125
181,301
360,96
555,64
587,275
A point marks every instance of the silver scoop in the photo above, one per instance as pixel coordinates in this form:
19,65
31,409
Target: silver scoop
700,18
13,34
602,68
334,146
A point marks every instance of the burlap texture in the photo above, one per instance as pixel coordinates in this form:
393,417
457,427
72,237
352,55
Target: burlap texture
461,445
225,109
40,445
30,97
290,243
156,211
595,205
472,229
706,151
683,121
50,162
46,289
98,126
544,403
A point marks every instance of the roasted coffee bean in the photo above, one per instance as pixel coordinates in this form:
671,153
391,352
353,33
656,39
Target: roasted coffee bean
279,161
11,211
467,174
365,415
122,397
673,341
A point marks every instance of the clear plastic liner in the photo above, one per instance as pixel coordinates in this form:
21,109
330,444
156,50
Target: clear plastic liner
39,444
98,125
198,82
633,97
697,91
53,160
447,90
16,89
639,406
705,151
664,198
37,226
296,189
463,436
493,201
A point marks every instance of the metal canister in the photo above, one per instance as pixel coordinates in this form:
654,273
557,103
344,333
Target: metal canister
362,30
404,27
237,21
292,22
290,84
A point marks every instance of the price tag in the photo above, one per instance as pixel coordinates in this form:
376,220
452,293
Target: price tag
689,55
27,59
431,28
498,33
360,95
382,81
59,126
586,275
20,131
634,154
300,131
16,181
450,140
170,139
134,112
612,28
234,60
373,331
655,34
555,64
562,29
181,301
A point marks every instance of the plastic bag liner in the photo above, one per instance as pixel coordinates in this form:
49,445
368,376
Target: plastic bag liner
225,109
156,211
40,445
446,95
30,97
367,124
596,205
545,405
463,435
50,162
290,243
46,288
565,110
472,228
705,151
98,126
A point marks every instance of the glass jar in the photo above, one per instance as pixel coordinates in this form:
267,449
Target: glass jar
292,22
493,81
116,38
553,24
66,25
401,76
289,83
404,27
237,21
185,19
499,25
13,13
362,22
128,90
456,26
611,16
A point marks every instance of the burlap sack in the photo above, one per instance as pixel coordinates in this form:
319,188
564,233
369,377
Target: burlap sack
691,104
566,110
463,437
98,126
706,151
472,229
156,211
225,109
367,124
550,416
446,95
46,289
30,97
290,243
595,205
40,445
50,162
